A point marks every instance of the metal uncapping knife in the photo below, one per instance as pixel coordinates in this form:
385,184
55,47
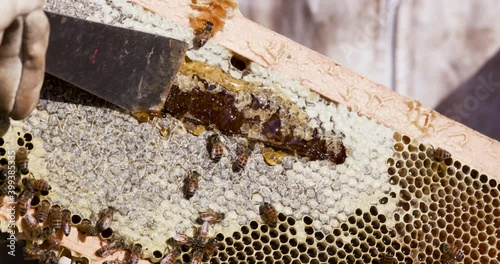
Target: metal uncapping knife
131,69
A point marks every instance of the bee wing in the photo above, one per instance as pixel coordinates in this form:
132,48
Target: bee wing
262,209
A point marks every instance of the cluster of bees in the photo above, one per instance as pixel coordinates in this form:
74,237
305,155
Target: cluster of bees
202,246
48,223
215,149
45,227
21,167
117,243
52,218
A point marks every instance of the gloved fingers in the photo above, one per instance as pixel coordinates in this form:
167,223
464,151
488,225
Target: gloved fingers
12,39
34,47
14,8
10,66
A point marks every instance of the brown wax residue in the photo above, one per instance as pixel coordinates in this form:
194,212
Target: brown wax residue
202,98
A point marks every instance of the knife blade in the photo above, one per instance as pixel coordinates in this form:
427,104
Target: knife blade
131,69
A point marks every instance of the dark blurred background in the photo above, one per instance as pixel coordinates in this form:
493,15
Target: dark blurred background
441,53
5,258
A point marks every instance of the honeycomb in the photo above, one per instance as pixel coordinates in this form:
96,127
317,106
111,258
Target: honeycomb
390,198
444,202
439,202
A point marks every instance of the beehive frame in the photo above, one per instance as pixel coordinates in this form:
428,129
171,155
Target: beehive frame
404,148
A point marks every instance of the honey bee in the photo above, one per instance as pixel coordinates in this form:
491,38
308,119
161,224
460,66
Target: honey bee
52,240
55,217
171,257
438,154
43,210
135,254
22,160
191,184
37,233
211,217
5,188
450,254
268,214
105,218
197,257
40,233
86,228
110,248
3,173
46,232
241,161
24,203
66,221
387,259
34,252
36,184
180,239
215,147
31,222
202,234
214,12
202,36
52,258
210,247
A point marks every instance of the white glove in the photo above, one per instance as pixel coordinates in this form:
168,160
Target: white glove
24,37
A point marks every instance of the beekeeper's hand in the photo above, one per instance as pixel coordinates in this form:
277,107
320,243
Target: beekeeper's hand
24,36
